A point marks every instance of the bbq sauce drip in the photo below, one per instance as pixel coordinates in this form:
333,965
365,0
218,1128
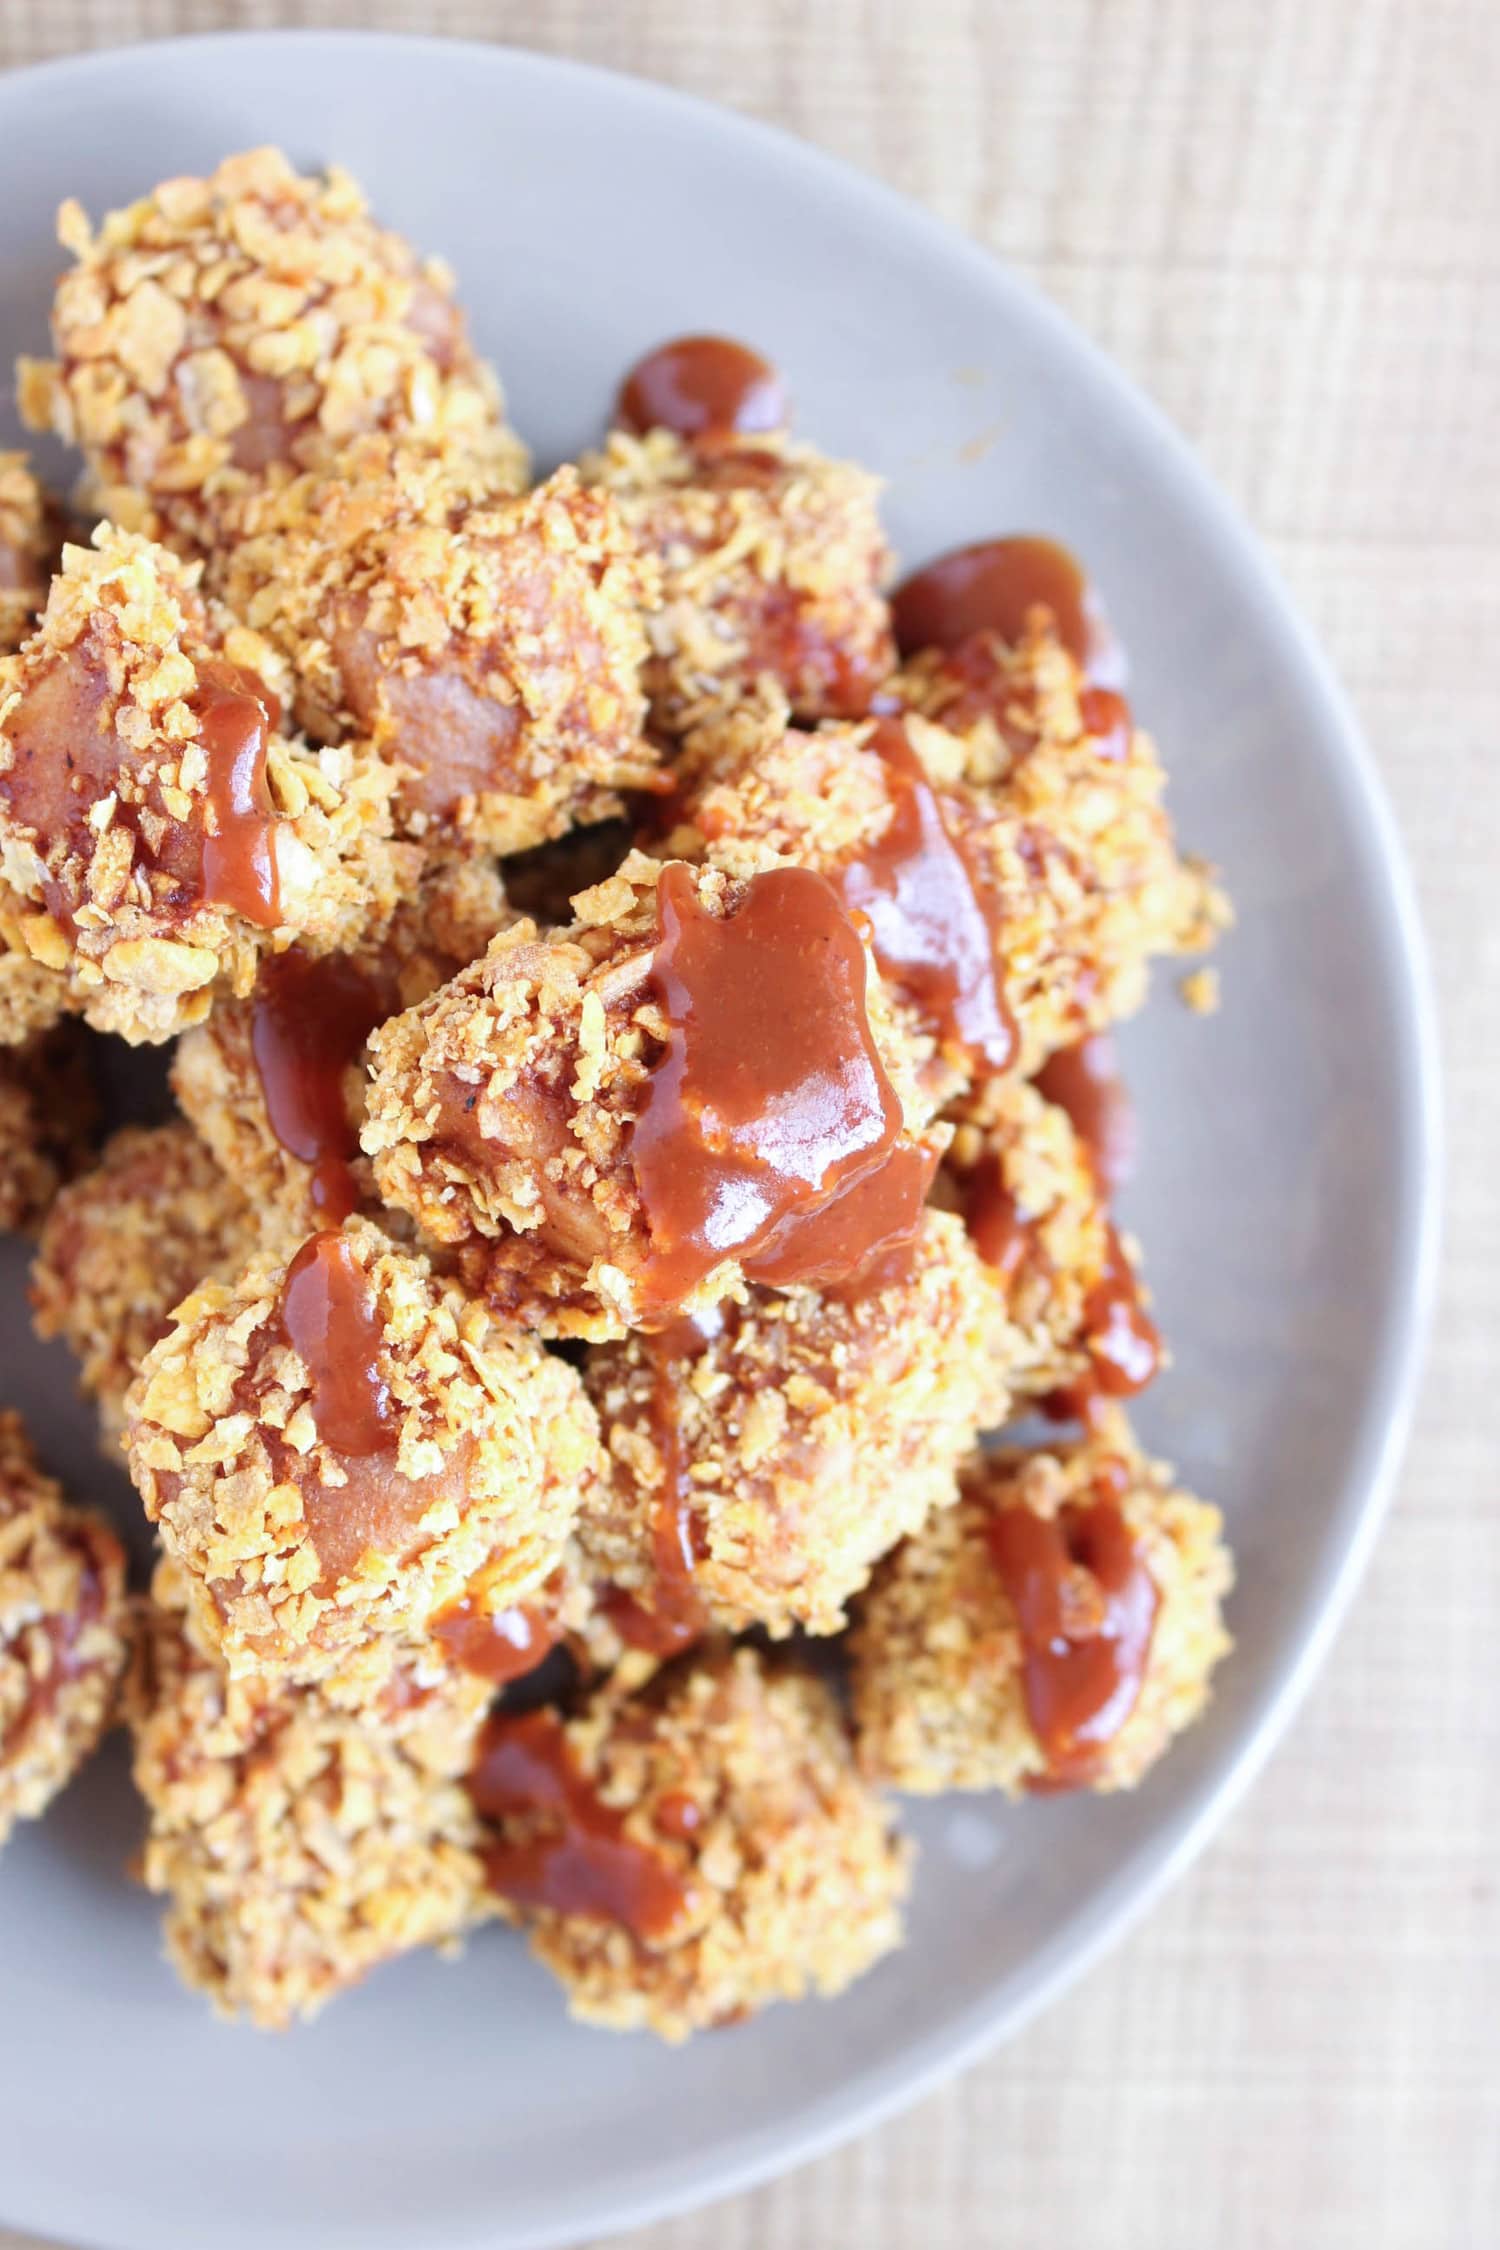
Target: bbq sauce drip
705,388
993,587
771,1100
1123,1343
1085,1607
1084,1080
1002,1237
499,1645
328,1310
309,1021
674,1615
580,1860
236,717
933,930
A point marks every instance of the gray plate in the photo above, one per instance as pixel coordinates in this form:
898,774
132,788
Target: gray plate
1287,1195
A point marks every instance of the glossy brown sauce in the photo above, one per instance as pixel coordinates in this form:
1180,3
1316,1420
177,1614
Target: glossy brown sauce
309,1021
1084,1080
1106,720
993,587
328,1309
1122,1340
705,388
236,717
1002,1237
1085,1607
933,930
865,1239
771,1097
580,1859
499,1645
674,1616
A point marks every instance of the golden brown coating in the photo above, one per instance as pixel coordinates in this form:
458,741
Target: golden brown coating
49,1113
939,1661
730,1788
794,1439
32,996
500,1111
30,542
323,1493
1020,1174
64,1630
162,832
222,331
124,1244
773,563
254,1079
490,646
1072,849
299,1843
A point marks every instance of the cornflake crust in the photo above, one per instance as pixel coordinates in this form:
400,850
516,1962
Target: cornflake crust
112,801
124,1244
1072,848
64,1630
298,1842
30,542
49,1115
299,1554
500,1110
491,647
32,996
798,1439
773,564
733,1771
221,332
939,1699
1054,1241
438,928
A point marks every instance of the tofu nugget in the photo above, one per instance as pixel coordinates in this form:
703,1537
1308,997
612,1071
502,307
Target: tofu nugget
30,543
684,1856
64,1630
1054,1631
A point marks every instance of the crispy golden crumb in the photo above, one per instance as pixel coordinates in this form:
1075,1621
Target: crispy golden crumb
938,1693
32,995
30,542
1200,990
299,1550
773,563
500,1110
801,1437
64,1630
439,927
732,1772
124,1244
49,1113
1073,849
299,1842
223,331
1022,1177
489,646
111,802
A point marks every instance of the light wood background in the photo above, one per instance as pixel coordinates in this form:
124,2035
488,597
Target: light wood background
1283,217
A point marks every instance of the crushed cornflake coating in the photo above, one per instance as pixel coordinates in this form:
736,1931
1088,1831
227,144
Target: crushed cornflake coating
490,646
1019,1171
124,1244
1072,849
937,1658
301,1548
733,1771
222,331
500,1111
1200,990
773,563
299,1841
793,1443
64,1630
158,862
49,1113
32,994
30,542
440,925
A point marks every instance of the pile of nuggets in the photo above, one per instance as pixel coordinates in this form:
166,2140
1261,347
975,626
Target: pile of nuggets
639,993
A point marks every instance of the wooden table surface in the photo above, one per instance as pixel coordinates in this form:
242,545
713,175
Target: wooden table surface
1283,218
